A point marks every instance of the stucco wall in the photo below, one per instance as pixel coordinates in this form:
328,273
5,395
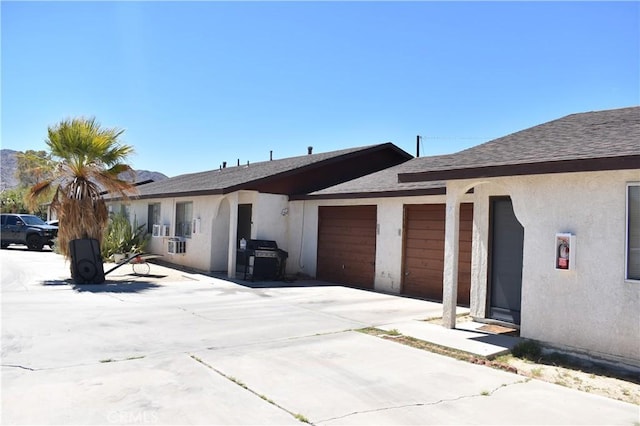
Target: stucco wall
198,246
480,249
220,236
208,249
389,246
590,308
270,215
302,237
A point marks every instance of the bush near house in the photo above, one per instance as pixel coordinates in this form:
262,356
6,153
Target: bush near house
123,237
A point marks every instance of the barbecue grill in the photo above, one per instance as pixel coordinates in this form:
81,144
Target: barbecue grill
262,259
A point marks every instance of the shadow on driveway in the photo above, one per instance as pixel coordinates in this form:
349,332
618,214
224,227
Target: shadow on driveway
108,286
289,282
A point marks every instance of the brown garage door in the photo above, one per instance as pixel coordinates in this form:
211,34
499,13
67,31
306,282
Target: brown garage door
424,251
347,245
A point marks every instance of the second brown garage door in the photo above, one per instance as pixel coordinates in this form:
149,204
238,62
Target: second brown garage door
424,251
347,245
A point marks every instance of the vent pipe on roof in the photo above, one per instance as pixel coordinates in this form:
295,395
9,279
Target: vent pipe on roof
271,155
418,139
224,164
238,162
309,150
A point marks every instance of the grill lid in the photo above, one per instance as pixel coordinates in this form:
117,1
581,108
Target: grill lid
262,245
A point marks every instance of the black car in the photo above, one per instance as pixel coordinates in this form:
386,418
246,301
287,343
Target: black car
26,229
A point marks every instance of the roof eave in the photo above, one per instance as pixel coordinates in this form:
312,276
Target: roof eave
373,194
520,169
174,194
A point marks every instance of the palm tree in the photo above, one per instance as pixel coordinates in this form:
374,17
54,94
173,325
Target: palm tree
91,163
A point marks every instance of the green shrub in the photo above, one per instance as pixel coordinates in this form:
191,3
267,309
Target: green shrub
123,237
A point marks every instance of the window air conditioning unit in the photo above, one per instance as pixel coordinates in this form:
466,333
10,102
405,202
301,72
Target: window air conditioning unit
176,246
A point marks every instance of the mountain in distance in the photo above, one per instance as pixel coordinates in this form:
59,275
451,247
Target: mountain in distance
9,166
145,175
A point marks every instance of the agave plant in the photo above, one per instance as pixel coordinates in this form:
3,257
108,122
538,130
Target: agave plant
91,163
124,237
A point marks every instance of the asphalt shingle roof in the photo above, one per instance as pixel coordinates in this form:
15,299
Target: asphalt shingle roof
383,181
590,135
583,136
240,177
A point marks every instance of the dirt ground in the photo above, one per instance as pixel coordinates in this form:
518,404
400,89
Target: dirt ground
622,385
621,388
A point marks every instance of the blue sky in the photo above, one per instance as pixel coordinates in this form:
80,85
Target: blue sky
198,83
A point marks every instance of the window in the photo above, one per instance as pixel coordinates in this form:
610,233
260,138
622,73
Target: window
124,210
184,216
153,216
633,231
32,220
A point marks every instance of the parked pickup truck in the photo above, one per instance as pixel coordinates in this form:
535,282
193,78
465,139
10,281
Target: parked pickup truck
28,230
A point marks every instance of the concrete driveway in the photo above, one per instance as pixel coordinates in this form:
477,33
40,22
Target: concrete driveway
182,348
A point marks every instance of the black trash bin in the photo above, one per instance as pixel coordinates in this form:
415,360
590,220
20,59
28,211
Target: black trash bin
86,261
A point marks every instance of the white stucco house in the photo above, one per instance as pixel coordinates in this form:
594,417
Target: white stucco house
539,229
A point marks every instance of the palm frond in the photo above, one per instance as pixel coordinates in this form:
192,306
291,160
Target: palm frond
36,192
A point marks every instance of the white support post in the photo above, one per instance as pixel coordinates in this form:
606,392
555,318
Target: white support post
451,247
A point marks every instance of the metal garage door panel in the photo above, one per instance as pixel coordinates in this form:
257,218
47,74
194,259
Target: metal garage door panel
423,262
347,245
